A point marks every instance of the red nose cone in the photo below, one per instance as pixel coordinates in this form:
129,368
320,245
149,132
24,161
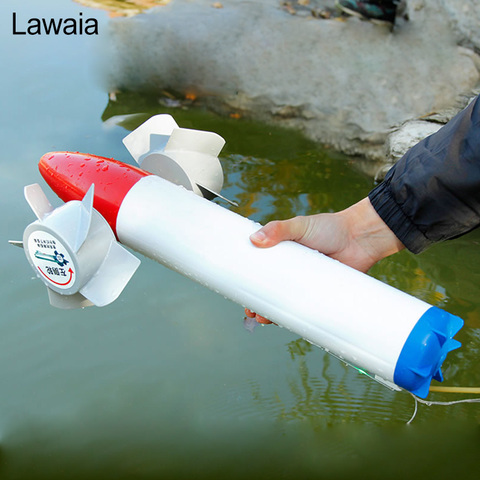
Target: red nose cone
70,175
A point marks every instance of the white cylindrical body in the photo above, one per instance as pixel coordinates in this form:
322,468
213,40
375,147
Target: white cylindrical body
356,317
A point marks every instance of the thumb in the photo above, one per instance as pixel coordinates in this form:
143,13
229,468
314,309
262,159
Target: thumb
278,231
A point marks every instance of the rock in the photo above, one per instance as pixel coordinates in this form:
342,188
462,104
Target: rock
401,140
464,19
409,134
343,82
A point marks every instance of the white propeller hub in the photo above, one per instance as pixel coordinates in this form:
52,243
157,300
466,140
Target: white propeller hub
73,250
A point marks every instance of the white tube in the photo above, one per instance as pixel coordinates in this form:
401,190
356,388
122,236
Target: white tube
360,319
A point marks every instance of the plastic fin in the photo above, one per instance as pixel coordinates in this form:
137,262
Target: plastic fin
454,326
37,200
452,344
424,372
16,243
111,278
448,346
422,390
85,217
153,134
72,220
209,194
66,302
184,139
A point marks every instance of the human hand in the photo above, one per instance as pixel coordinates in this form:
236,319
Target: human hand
357,237
249,313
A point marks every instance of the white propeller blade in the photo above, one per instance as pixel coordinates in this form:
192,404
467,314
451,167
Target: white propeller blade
187,140
111,278
152,134
67,302
72,220
37,200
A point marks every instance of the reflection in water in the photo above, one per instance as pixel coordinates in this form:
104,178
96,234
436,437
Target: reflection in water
325,391
338,394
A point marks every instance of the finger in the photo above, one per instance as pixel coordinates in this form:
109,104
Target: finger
278,231
249,313
263,320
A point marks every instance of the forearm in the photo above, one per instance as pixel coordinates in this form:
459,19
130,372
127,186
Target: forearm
369,233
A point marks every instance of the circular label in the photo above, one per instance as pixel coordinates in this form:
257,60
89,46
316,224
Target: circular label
51,259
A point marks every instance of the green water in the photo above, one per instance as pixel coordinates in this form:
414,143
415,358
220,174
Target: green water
166,382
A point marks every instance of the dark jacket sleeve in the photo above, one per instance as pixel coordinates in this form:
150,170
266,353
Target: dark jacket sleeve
433,192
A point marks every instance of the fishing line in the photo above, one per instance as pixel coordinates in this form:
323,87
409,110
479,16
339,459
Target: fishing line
445,389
